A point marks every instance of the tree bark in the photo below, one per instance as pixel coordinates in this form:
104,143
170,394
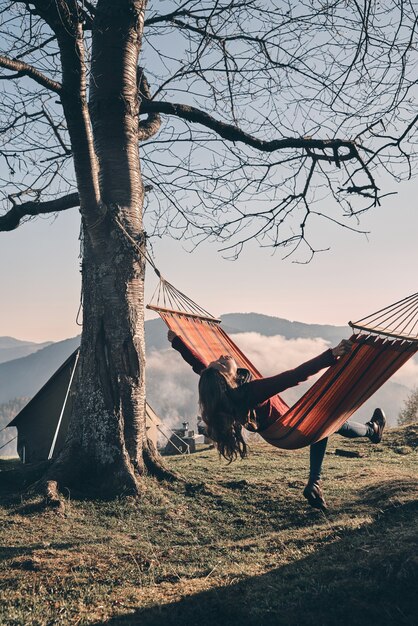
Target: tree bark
107,446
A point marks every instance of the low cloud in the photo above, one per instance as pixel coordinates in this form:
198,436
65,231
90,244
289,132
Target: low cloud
408,374
171,388
272,355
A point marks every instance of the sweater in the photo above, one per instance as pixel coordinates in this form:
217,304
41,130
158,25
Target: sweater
255,395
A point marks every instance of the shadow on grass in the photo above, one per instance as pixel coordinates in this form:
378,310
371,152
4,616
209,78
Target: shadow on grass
366,576
11,552
7,552
15,477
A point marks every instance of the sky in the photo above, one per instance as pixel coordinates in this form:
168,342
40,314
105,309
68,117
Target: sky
40,279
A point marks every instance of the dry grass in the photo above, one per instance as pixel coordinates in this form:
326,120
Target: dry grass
239,546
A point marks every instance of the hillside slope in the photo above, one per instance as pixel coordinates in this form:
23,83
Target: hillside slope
11,348
25,376
234,545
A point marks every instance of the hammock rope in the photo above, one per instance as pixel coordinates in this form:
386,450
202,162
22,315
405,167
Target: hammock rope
398,320
168,297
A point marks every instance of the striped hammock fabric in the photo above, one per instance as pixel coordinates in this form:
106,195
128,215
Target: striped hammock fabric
332,399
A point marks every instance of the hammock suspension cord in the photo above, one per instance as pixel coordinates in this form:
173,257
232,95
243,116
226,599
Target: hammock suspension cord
167,296
398,320
7,443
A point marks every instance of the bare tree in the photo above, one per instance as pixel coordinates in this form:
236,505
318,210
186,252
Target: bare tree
242,119
409,412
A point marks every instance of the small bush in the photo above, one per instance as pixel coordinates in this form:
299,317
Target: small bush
409,412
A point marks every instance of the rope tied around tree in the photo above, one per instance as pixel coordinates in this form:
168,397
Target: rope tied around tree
166,296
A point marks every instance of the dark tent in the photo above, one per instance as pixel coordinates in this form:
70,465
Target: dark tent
42,424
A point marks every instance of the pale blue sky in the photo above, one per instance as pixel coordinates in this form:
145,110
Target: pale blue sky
40,280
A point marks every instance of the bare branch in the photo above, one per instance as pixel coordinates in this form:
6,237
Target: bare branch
39,46
65,20
12,218
197,13
56,132
271,110
24,69
149,127
234,134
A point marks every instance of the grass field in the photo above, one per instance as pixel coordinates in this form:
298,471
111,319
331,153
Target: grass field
236,545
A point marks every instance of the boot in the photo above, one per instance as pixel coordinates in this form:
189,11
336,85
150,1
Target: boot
377,423
313,494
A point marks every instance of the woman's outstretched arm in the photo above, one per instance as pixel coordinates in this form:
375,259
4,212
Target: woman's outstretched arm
258,391
190,356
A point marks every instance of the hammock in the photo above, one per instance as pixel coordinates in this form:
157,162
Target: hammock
383,342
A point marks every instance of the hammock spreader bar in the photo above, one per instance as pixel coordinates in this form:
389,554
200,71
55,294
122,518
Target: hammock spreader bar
196,315
379,351
381,332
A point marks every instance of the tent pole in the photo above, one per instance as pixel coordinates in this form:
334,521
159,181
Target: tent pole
54,441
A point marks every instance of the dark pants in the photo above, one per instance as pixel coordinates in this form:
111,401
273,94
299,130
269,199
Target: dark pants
352,430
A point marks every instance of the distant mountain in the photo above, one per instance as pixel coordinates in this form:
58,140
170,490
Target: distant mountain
25,376
271,326
156,335
11,348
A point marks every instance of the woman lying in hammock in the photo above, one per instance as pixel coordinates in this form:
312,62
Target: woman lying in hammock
230,401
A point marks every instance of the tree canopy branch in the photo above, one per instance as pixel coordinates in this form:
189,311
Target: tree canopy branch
24,69
149,127
196,12
235,134
12,218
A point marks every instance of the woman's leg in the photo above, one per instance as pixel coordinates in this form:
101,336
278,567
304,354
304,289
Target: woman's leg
313,492
316,457
372,429
352,430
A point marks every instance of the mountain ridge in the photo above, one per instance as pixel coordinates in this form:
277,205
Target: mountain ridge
269,325
26,375
12,348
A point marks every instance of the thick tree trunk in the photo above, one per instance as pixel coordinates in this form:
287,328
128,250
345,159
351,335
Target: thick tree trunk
107,430
107,447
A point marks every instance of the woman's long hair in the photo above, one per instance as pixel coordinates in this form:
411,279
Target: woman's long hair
222,414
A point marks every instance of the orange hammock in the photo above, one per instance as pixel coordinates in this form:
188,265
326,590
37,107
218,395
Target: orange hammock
383,342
